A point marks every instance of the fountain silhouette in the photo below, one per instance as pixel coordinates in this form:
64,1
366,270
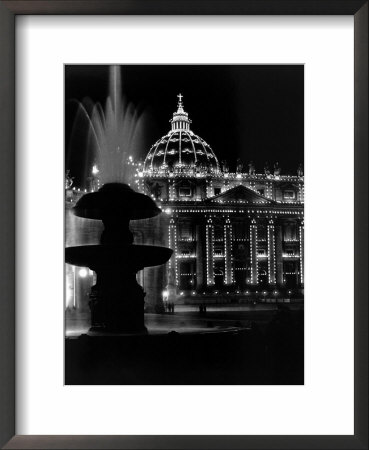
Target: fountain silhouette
116,300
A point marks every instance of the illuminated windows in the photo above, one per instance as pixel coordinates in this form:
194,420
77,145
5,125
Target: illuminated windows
289,195
184,191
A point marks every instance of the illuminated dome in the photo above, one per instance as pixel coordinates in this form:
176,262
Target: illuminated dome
181,149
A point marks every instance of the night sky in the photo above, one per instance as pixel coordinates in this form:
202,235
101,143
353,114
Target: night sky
243,111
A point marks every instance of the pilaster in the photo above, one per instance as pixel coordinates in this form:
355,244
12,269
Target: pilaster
278,254
271,253
200,261
253,252
301,258
209,252
228,252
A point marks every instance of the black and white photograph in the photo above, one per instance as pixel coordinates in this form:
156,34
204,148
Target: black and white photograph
184,224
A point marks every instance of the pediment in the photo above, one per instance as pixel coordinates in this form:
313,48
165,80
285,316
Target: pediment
240,194
288,185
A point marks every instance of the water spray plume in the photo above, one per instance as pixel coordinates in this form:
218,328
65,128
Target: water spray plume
113,133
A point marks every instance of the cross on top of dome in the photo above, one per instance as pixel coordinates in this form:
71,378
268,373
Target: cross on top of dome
180,103
180,119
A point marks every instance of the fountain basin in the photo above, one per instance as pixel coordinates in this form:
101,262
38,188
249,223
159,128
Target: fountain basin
116,200
134,256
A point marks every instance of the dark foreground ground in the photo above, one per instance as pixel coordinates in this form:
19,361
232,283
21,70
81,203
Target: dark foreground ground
260,347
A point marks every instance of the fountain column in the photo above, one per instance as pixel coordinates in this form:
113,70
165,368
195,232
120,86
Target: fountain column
108,310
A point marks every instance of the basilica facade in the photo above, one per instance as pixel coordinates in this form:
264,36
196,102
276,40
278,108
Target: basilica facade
235,235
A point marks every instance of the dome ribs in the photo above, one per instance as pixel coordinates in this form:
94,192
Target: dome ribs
160,141
165,151
193,146
205,152
153,155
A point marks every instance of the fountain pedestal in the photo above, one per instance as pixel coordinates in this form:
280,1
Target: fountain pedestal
117,300
110,308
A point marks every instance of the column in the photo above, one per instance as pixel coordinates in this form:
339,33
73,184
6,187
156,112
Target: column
200,241
271,253
209,253
171,190
269,189
253,252
278,254
228,279
172,239
301,192
301,242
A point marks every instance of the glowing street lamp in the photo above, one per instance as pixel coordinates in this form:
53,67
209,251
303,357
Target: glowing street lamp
83,273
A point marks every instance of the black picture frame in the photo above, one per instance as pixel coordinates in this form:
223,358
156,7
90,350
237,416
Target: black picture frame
8,11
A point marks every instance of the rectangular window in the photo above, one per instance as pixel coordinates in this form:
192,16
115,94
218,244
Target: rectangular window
240,231
290,231
262,233
185,192
185,231
288,195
